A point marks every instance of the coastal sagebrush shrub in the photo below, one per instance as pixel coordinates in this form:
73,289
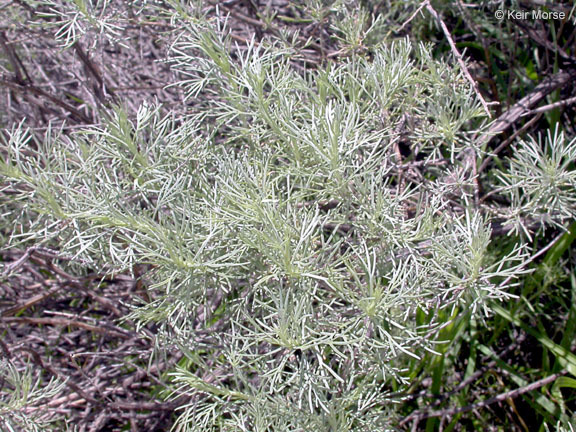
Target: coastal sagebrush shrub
306,230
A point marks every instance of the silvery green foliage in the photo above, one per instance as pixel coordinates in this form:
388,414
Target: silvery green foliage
23,398
540,181
72,19
289,260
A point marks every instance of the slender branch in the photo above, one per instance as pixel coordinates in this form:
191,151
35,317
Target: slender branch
41,251
30,302
17,64
65,322
26,88
458,56
506,143
552,106
421,415
44,365
101,87
145,406
469,155
545,43
422,5
525,104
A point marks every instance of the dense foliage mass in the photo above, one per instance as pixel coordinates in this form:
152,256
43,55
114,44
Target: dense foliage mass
327,226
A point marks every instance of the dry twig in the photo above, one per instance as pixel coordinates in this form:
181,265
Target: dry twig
422,415
458,56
